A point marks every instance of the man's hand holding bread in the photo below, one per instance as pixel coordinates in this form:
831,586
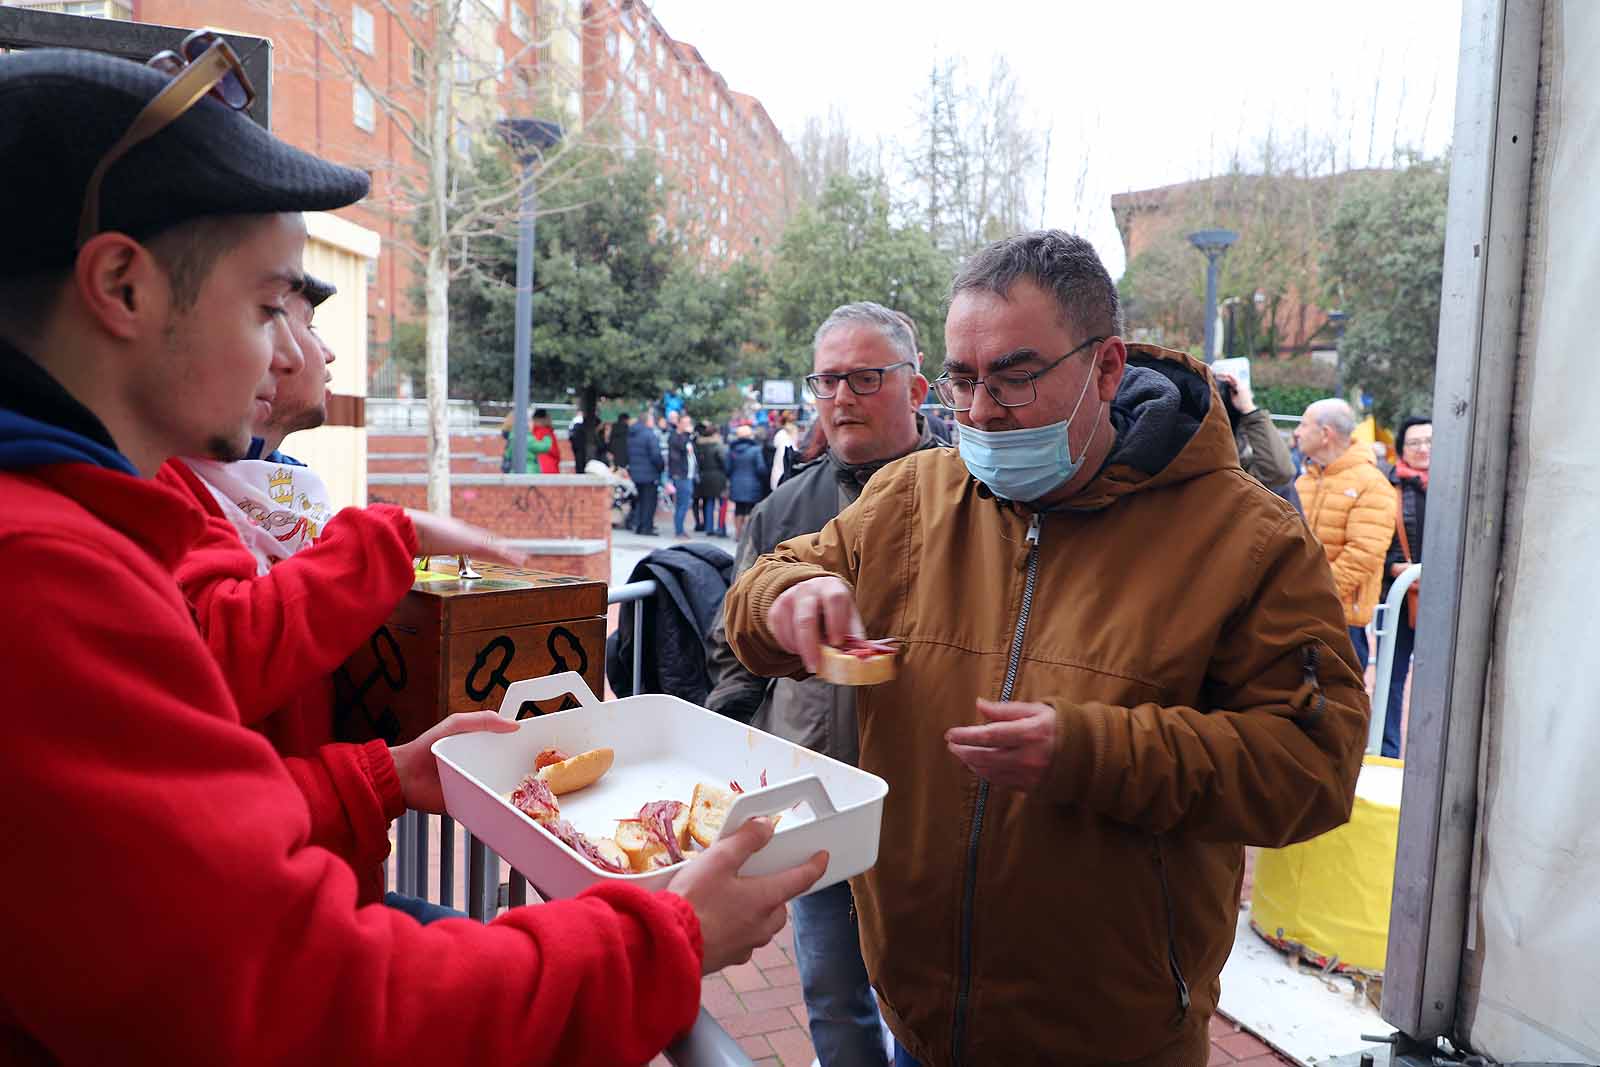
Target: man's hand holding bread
1012,747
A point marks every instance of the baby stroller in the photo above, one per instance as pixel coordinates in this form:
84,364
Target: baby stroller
623,490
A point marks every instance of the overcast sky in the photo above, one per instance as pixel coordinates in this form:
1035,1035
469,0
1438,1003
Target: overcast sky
1139,93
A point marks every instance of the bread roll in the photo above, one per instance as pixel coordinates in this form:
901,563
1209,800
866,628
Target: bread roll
708,809
583,769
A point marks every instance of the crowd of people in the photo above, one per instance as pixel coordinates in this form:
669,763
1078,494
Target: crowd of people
699,471
1121,658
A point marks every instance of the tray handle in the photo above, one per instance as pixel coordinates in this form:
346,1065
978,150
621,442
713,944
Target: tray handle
776,798
546,688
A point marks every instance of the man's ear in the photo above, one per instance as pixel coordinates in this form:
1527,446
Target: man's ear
120,285
919,391
1110,363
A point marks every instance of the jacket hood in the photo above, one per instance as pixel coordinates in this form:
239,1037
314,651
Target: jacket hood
744,444
1170,425
41,423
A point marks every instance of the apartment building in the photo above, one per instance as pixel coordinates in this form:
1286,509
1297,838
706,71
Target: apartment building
730,172
607,62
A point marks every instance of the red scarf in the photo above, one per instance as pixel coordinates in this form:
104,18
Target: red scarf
1405,470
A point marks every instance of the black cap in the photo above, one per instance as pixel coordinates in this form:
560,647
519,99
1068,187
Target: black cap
316,290
61,110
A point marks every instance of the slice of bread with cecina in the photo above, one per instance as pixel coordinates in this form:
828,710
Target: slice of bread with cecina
859,662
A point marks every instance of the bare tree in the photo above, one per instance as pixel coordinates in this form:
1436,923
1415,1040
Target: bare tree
460,85
976,163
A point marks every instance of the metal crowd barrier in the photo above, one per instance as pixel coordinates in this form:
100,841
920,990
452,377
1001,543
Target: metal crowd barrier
1384,629
706,1044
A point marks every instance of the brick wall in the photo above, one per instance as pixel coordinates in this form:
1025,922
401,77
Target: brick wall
563,520
488,442
417,462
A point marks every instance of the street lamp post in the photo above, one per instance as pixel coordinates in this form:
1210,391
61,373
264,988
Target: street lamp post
528,138
1338,320
1213,243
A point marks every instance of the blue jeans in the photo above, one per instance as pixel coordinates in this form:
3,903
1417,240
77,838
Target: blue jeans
685,500
710,507
902,1058
845,1029
424,911
1358,637
1405,640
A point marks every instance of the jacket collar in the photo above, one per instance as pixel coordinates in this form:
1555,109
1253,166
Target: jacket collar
41,422
1354,456
857,475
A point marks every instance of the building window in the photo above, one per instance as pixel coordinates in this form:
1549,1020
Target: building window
724,216
521,23
661,53
611,44
627,52
661,144
499,62
366,112
724,181
575,43
724,141
711,100
715,174
463,70
463,139
362,30
661,100
611,88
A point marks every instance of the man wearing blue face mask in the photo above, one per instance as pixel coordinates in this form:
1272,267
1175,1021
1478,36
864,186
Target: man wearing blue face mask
1123,659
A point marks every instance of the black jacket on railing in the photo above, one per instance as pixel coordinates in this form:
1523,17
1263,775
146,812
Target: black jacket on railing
692,580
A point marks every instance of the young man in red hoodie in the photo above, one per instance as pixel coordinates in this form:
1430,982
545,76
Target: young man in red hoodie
284,591
178,905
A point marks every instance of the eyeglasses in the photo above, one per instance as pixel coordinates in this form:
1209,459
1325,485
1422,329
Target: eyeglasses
203,64
863,382
1419,443
1009,389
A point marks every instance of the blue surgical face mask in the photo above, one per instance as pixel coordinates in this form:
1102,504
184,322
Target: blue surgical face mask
1024,465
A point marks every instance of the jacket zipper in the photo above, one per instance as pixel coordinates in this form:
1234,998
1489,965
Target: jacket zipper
970,890
1172,936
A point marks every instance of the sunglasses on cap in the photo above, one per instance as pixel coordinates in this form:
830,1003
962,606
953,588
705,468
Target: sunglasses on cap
203,65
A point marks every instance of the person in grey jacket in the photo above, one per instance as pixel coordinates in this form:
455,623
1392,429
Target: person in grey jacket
868,387
1262,451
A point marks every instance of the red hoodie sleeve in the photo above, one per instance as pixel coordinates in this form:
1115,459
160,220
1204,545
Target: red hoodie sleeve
175,911
352,794
278,633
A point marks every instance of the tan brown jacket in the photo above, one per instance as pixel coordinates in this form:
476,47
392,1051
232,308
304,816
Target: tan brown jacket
1184,625
1350,506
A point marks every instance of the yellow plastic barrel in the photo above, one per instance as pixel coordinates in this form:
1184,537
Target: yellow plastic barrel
1330,896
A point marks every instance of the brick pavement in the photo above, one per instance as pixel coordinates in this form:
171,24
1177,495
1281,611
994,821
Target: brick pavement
759,1003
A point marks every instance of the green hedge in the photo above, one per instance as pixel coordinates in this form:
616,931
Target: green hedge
1288,399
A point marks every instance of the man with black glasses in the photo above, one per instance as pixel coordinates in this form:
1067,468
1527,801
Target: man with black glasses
175,898
1122,659
867,386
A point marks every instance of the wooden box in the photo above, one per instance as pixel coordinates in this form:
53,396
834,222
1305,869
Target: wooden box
456,644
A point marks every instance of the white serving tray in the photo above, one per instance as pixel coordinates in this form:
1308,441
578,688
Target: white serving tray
663,747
